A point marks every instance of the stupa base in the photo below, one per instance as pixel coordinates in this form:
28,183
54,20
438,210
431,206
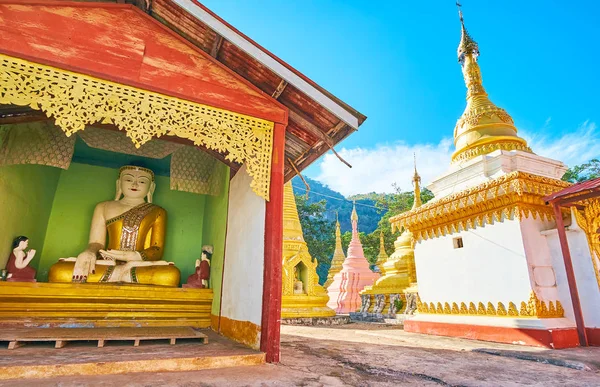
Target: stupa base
305,306
396,319
316,321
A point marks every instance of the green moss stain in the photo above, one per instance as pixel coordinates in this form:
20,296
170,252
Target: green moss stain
26,193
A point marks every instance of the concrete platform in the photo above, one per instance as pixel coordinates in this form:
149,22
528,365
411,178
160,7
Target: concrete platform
42,360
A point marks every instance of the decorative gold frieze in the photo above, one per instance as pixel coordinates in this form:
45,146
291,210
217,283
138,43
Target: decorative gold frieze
532,308
511,196
589,221
76,100
489,148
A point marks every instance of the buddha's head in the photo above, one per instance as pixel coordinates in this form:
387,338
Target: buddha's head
135,183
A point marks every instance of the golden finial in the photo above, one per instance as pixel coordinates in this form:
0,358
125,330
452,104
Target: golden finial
416,181
467,45
382,256
354,214
483,127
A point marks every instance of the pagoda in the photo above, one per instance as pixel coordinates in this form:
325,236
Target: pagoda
344,291
386,296
338,256
484,266
302,296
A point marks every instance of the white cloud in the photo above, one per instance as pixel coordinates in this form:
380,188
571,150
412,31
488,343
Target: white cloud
575,147
376,169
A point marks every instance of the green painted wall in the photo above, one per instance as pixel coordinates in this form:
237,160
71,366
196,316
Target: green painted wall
82,186
26,193
215,229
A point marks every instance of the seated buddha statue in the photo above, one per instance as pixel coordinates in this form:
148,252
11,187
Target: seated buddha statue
136,239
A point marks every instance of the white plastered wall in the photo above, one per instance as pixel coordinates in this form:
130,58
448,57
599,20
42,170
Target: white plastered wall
543,269
587,285
491,266
244,252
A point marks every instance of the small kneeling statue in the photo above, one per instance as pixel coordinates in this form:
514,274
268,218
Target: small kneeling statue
136,238
18,263
202,275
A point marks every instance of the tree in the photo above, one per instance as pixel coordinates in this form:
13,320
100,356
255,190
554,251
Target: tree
586,171
319,233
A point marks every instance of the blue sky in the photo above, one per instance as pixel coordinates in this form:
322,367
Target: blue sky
395,61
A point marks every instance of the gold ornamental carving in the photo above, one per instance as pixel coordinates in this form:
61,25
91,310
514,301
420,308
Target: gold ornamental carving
489,148
589,221
532,308
512,196
76,100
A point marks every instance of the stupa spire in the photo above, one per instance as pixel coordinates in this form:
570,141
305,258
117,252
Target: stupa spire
338,255
292,229
416,181
483,127
382,256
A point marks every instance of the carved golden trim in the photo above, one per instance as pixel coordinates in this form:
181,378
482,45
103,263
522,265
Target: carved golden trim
484,149
533,308
589,221
514,195
76,100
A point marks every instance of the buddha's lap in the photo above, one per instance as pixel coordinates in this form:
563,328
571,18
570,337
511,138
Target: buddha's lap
166,275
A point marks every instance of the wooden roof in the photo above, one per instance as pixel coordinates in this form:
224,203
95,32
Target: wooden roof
577,192
317,119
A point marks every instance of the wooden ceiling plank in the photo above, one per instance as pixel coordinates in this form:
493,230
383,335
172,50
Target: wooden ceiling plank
280,88
214,52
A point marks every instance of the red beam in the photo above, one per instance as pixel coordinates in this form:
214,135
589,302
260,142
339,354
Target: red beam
564,246
580,196
271,310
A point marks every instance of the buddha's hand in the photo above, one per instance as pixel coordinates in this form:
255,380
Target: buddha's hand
121,255
84,266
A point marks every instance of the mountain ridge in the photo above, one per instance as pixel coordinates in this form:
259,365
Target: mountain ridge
336,203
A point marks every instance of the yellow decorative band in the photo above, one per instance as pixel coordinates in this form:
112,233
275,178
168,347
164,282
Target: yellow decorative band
511,196
530,309
75,100
484,149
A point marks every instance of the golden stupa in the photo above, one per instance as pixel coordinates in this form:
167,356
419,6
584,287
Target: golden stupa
338,256
302,295
483,127
398,270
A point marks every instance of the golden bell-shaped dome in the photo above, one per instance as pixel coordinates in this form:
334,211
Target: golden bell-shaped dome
483,127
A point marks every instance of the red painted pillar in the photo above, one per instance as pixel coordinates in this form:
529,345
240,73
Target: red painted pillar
564,246
271,309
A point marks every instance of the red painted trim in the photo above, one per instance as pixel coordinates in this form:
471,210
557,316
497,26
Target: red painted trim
271,309
549,338
593,336
281,117
564,246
